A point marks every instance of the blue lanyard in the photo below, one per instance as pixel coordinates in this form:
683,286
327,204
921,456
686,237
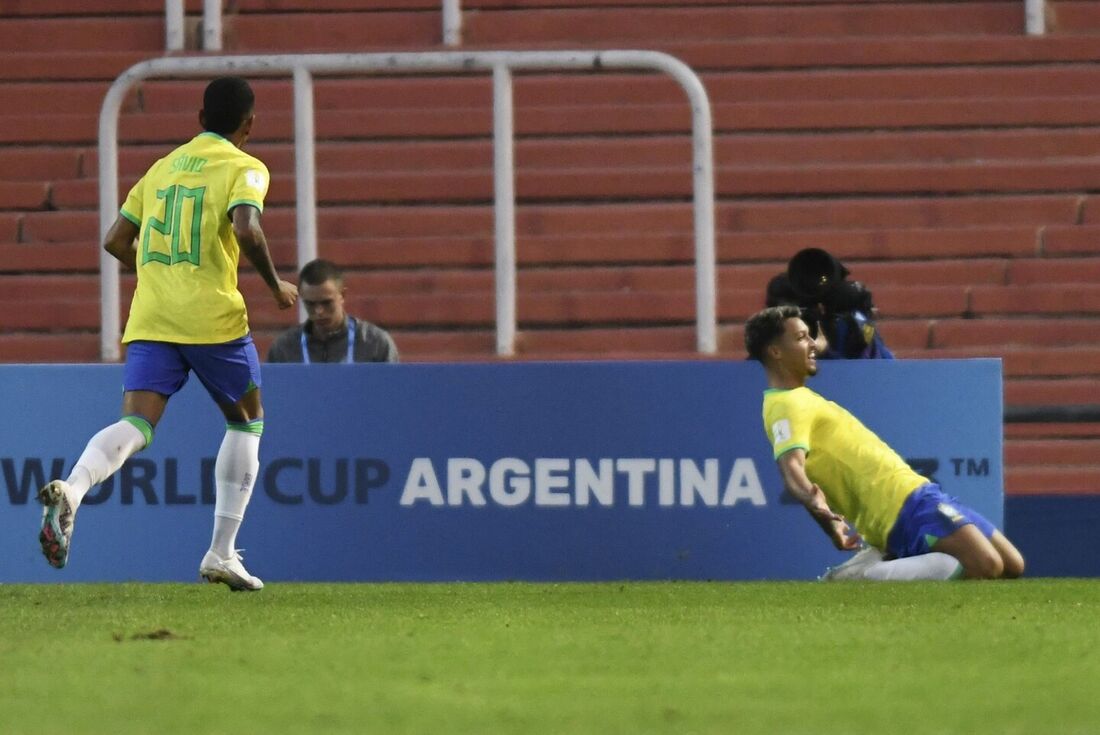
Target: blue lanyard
351,344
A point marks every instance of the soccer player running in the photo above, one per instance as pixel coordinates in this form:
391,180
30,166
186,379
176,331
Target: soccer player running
839,470
182,228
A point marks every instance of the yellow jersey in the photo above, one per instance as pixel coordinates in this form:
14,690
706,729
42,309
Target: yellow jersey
187,254
861,476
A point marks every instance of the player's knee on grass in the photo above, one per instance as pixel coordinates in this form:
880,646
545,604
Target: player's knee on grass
983,564
1013,564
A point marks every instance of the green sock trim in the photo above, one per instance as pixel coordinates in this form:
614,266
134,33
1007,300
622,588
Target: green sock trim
248,427
958,573
141,425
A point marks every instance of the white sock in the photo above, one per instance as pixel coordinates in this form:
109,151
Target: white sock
235,473
106,452
933,565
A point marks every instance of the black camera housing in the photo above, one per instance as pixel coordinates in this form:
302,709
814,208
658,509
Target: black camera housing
818,284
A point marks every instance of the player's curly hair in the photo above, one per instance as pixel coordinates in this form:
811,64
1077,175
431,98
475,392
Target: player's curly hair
226,103
765,326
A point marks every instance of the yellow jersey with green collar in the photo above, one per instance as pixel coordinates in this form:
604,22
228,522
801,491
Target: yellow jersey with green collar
861,476
187,254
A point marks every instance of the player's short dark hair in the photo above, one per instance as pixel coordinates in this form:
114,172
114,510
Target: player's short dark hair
766,326
226,103
316,272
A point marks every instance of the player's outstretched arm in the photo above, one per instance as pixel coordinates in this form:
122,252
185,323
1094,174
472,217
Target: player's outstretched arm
792,468
250,236
120,242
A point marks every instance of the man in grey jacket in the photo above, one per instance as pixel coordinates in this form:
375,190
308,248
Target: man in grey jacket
329,333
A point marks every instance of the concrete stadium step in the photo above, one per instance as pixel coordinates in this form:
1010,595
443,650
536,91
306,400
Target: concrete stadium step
589,294
768,21
476,251
1063,240
934,147
1019,361
1030,480
36,163
10,228
296,33
290,6
563,89
1037,332
68,66
10,224
635,25
724,53
70,257
1091,211
622,219
45,34
762,54
594,341
49,346
438,309
1051,391
41,98
870,52
614,119
1076,16
1039,271
646,184
24,195
1039,299
1023,452
46,8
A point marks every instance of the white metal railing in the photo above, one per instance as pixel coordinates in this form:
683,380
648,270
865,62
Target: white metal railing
501,64
1034,14
174,34
174,31
452,22
1035,17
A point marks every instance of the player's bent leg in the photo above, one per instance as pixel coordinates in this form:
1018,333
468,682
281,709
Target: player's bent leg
931,566
978,556
854,567
235,471
104,454
145,403
1011,557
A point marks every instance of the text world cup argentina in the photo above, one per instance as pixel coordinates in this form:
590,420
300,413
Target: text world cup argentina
425,482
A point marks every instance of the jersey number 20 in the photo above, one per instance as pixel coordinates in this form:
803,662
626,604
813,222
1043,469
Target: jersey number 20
171,227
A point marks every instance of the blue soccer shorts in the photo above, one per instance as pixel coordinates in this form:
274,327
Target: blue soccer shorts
927,516
228,370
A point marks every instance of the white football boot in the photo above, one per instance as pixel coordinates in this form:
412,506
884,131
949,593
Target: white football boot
230,572
854,567
58,516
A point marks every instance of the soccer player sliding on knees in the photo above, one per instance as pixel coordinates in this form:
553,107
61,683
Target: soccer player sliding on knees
182,228
840,470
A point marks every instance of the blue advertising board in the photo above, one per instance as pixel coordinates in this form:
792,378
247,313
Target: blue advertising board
532,471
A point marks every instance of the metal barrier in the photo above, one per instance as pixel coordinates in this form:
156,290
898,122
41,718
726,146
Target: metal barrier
1034,23
1035,17
174,34
501,64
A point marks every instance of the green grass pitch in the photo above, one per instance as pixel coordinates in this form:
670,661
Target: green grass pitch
1001,657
